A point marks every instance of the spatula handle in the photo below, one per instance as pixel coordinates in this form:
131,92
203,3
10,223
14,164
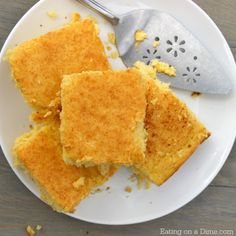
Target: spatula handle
101,9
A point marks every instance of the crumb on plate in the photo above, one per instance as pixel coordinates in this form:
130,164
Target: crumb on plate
196,94
128,189
30,231
156,44
8,54
114,55
111,38
52,14
139,37
38,227
108,48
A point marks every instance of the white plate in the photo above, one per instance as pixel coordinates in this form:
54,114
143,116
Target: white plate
217,112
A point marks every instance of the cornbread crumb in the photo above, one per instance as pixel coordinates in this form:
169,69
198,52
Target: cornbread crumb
38,227
30,231
52,14
111,38
156,44
78,183
162,67
139,37
108,188
114,55
196,94
75,16
128,189
155,67
108,48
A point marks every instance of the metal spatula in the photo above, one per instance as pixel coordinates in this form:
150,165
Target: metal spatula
197,69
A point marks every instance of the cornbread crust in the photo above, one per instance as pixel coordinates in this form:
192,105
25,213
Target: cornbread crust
39,64
102,118
39,152
174,133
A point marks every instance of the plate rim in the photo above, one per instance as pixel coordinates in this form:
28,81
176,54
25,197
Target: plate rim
142,219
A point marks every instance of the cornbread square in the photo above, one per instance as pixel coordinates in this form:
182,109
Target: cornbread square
62,186
39,64
102,118
174,133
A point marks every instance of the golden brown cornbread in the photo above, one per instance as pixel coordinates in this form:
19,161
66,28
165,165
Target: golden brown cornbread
39,64
102,118
39,152
173,133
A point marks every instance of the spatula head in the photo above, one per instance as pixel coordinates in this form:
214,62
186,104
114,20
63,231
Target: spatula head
197,69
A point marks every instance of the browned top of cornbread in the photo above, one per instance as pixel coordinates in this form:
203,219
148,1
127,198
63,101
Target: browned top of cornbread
39,64
63,186
102,119
173,130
